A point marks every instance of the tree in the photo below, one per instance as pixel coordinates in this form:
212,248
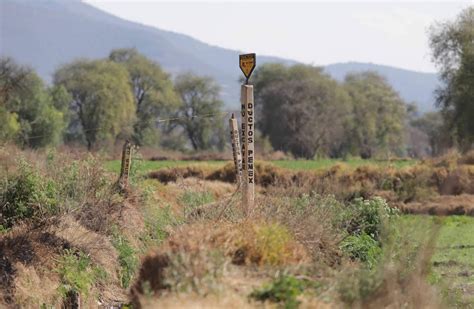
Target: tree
431,124
12,78
9,125
28,114
452,45
102,107
199,114
153,93
379,115
301,110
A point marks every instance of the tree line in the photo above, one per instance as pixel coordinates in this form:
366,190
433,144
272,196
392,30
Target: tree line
300,109
98,102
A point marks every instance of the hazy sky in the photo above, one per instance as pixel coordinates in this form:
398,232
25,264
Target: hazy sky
391,33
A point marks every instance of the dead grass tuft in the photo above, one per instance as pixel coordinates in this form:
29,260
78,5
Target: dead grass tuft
173,174
34,288
443,205
467,158
195,256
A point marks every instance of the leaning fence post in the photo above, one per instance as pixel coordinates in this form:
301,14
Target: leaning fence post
126,163
234,135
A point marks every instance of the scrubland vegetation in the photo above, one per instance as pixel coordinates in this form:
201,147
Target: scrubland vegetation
368,217
177,237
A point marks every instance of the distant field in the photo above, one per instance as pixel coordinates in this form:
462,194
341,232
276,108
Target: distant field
453,260
148,166
326,163
144,166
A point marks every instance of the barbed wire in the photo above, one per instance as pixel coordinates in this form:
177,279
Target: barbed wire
209,115
195,116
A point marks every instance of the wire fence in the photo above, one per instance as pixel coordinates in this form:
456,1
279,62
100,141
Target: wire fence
162,120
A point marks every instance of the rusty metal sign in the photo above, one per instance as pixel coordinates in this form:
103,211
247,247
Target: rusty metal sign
247,63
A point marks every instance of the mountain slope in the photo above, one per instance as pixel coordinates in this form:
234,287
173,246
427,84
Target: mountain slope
47,33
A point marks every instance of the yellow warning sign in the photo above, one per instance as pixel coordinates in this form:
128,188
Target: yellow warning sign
247,63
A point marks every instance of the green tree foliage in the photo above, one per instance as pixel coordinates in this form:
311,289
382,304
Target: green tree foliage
379,116
199,112
9,125
301,110
153,93
12,78
102,101
28,111
452,45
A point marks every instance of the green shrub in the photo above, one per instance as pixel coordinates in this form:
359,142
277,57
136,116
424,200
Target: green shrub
363,248
367,220
284,289
35,193
27,195
77,273
368,216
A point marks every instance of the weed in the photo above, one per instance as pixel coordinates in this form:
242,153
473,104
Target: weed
127,258
271,241
197,272
368,216
27,195
358,284
192,200
363,248
158,221
77,273
158,218
285,289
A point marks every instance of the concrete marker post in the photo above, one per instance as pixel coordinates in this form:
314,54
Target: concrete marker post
248,155
247,63
243,185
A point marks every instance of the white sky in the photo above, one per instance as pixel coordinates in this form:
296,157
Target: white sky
390,33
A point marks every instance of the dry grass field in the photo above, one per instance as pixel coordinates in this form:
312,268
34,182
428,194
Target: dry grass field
342,235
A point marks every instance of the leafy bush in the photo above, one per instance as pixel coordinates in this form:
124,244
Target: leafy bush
27,195
284,289
56,186
368,216
363,248
77,273
368,220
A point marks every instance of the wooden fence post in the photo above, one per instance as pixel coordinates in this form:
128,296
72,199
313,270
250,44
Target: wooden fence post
234,135
126,163
248,148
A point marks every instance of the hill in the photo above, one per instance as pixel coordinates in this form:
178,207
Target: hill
45,34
